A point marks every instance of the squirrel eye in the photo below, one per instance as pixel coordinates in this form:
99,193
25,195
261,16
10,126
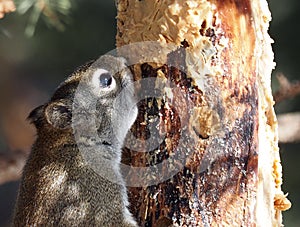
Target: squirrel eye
105,80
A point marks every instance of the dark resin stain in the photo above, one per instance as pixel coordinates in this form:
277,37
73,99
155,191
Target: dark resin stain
243,6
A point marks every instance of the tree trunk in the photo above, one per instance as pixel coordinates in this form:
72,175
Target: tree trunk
218,162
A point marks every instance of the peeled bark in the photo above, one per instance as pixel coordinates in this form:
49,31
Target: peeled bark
218,122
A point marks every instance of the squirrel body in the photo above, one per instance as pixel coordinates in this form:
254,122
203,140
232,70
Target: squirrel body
60,186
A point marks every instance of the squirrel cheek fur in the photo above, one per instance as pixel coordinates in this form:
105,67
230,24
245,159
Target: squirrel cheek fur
59,186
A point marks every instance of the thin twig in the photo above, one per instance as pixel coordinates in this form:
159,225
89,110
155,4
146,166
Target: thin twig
6,6
11,165
287,89
289,127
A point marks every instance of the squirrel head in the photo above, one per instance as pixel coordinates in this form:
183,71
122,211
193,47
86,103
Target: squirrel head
98,96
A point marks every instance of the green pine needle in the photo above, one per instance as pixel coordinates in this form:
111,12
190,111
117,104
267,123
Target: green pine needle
54,12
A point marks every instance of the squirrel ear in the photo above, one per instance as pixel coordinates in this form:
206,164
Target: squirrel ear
59,115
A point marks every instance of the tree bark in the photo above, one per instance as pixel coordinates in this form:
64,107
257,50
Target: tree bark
217,118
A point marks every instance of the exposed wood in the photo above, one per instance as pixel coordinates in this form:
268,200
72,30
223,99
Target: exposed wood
218,122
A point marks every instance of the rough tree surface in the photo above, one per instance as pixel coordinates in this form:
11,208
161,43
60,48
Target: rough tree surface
219,121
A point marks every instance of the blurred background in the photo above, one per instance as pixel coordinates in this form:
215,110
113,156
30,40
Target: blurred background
32,67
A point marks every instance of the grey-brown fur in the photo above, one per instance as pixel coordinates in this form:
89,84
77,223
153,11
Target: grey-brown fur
59,186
